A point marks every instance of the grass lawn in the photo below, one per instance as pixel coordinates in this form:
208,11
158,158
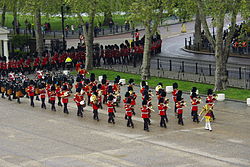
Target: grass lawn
56,21
231,93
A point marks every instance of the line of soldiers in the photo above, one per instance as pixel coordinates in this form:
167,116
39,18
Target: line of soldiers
58,86
111,54
127,52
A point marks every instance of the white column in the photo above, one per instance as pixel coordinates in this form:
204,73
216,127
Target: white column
6,50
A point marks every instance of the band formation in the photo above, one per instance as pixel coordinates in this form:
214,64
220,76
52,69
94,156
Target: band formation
58,89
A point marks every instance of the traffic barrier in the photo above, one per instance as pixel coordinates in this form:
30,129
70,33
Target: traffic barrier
123,81
248,102
169,89
100,78
221,97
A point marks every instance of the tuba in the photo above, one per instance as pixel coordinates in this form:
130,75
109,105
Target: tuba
94,99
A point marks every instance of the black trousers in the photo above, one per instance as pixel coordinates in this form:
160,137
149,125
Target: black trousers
65,108
180,119
43,103
111,117
146,122
130,122
32,101
195,116
53,108
95,116
59,101
79,111
164,119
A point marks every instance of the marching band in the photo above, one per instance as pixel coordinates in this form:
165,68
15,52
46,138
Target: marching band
60,86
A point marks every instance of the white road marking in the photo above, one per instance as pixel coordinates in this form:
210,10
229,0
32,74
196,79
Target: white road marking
235,141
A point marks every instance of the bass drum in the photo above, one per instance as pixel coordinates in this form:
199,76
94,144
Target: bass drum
19,93
9,92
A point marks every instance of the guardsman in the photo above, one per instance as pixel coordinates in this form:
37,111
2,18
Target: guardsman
145,114
174,95
195,101
42,91
137,35
80,102
179,105
52,97
59,94
65,98
111,109
94,103
163,113
31,92
129,113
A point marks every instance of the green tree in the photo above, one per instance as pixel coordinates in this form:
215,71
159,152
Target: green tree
149,13
219,10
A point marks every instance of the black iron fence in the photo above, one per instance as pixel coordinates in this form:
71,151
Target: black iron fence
207,47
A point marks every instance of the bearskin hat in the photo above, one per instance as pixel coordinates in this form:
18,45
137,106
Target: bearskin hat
209,92
53,88
110,97
175,85
194,89
78,90
131,81
143,83
64,87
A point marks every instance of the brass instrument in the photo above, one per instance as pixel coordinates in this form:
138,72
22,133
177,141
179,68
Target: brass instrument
207,108
65,94
94,99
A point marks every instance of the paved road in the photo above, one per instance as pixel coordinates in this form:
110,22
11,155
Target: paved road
32,137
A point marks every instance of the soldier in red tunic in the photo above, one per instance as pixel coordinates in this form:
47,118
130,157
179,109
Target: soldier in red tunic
179,105
95,106
31,92
59,94
145,115
129,113
195,101
162,107
111,109
174,94
65,98
52,97
42,91
80,102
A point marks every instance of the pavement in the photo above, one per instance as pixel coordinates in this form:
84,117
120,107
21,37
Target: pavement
34,137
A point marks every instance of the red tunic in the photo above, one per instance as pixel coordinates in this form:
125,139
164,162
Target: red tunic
42,93
31,90
179,107
162,109
78,98
52,95
195,104
110,106
174,93
145,112
65,99
128,110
